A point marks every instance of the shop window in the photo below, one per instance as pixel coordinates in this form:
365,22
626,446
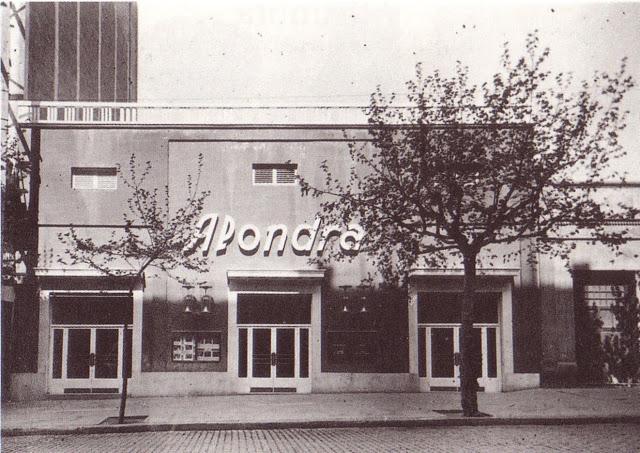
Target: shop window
275,174
353,346
94,178
196,346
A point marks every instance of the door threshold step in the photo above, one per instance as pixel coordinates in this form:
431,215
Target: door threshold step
84,396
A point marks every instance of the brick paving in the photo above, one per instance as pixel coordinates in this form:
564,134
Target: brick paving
620,438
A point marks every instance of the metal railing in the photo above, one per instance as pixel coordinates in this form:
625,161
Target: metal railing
115,113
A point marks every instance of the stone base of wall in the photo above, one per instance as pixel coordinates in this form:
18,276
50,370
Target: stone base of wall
520,381
28,386
563,374
183,384
365,382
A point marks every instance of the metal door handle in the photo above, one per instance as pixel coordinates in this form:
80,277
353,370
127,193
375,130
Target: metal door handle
92,359
273,359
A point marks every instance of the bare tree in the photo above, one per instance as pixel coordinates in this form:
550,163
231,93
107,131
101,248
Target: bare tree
464,167
153,236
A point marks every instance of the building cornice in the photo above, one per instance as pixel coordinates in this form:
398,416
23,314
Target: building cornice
295,274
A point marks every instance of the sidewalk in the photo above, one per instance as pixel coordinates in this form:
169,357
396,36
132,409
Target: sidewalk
536,406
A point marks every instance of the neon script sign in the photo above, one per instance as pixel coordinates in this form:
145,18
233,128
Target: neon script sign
249,237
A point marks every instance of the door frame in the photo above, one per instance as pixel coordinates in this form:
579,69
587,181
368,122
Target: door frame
59,385
300,384
45,342
275,281
489,384
500,280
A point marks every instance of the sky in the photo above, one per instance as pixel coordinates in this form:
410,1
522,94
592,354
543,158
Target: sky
336,53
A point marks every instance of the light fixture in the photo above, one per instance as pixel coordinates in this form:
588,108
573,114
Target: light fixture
345,298
207,300
191,303
364,304
189,299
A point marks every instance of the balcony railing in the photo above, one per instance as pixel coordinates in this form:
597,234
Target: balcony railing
103,113
107,113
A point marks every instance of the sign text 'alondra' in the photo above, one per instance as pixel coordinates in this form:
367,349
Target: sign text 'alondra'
249,237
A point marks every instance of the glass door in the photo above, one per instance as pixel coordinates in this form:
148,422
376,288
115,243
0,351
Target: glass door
443,356
277,358
87,359
78,354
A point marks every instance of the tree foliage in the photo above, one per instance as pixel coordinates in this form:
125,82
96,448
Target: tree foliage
15,215
590,354
152,236
461,167
622,348
464,166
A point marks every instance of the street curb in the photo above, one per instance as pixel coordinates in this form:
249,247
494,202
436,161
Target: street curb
388,423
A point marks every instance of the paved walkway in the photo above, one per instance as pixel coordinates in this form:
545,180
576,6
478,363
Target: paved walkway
293,410
619,438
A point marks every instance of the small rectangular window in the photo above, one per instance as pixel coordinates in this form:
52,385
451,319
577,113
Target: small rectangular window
275,174
94,178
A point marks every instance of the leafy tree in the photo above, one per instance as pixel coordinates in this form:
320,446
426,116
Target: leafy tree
20,207
465,167
622,348
153,236
590,354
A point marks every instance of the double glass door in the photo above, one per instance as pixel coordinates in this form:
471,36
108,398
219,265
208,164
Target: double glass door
275,359
443,356
87,359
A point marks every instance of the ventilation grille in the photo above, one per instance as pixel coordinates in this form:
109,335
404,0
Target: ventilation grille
275,174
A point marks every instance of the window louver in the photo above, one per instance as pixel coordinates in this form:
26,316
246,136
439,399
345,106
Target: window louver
285,175
263,176
276,174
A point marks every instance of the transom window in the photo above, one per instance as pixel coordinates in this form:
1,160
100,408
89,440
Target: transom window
275,174
94,178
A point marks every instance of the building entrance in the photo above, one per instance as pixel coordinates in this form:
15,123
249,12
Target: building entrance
439,341
442,346
87,359
87,336
277,358
274,357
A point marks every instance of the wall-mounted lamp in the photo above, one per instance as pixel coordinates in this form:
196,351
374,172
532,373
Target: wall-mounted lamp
364,304
345,298
206,300
191,303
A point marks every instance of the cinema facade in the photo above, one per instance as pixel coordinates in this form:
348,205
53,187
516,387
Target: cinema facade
266,317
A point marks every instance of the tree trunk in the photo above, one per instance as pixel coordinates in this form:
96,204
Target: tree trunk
468,374
125,367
